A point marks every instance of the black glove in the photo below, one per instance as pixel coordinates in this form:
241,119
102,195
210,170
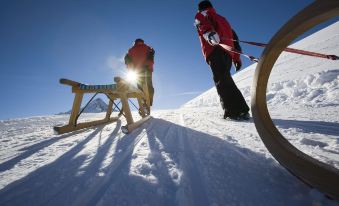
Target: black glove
237,65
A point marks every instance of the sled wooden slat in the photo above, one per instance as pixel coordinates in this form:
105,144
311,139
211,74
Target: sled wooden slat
71,128
69,82
136,124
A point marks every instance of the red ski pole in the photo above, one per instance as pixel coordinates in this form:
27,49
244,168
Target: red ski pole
230,49
297,51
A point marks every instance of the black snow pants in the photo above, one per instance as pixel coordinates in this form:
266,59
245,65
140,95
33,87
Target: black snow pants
231,98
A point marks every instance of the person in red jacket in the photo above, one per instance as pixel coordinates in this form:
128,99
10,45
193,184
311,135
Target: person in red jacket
213,30
140,58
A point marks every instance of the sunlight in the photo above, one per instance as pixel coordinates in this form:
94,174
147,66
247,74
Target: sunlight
132,76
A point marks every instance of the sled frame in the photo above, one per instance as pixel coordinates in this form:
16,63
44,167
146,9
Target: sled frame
121,90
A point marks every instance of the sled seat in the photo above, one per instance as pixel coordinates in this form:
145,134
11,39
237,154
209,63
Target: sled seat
88,87
98,87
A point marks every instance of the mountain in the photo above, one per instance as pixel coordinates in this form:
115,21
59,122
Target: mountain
187,156
95,106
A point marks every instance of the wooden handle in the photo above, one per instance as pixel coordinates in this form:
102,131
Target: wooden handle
69,82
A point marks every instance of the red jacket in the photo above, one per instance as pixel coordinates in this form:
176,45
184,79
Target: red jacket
207,21
140,57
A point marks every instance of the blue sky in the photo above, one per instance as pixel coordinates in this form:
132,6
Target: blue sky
42,41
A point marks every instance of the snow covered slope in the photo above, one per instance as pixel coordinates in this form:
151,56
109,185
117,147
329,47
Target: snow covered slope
189,156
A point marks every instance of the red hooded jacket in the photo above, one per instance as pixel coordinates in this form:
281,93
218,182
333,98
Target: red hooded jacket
208,21
140,56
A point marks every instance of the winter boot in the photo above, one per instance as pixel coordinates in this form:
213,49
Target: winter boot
226,114
243,116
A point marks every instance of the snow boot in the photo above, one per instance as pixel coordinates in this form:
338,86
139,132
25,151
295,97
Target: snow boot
226,114
242,116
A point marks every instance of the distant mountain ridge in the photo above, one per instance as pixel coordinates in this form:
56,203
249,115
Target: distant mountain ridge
95,106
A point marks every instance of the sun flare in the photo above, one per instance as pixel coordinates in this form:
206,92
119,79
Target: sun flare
132,76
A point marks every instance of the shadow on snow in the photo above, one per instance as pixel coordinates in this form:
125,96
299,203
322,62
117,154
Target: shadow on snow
320,127
191,168
30,150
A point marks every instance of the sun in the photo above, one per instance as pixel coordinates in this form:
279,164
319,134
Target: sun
132,76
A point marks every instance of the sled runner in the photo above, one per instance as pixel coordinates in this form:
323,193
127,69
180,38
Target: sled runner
313,172
121,90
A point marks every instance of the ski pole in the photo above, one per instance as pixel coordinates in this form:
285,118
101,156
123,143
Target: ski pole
230,49
296,51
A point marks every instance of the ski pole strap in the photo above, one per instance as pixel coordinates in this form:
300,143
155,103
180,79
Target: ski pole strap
231,49
297,51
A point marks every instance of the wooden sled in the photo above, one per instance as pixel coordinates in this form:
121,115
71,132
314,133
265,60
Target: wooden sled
315,173
120,90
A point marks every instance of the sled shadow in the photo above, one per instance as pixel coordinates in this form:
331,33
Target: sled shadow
160,163
55,180
30,150
320,127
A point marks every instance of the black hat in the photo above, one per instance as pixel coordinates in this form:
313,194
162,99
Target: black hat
138,40
203,5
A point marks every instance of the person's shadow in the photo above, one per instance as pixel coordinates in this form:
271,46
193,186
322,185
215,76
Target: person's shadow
161,163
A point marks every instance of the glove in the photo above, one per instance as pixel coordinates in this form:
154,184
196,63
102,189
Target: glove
212,38
237,65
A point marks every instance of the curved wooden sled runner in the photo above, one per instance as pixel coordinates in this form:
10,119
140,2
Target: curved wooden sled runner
121,90
311,171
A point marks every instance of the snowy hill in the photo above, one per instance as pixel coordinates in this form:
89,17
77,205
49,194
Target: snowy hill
95,106
188,156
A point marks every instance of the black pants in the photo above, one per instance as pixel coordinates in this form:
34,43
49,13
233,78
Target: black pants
146,75
231,98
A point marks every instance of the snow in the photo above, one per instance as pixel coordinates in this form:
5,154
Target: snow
188,156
